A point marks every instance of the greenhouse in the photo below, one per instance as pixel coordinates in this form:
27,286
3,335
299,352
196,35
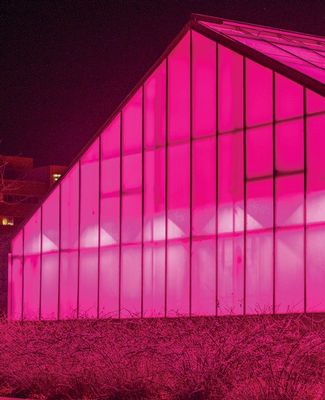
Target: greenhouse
203,194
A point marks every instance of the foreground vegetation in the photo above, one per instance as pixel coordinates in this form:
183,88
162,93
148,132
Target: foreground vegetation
252,358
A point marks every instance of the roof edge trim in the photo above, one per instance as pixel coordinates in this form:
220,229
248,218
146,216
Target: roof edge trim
261,58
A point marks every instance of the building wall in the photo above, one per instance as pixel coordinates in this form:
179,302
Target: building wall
204,196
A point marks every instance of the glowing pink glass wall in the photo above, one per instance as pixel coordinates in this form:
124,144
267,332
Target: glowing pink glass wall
205,195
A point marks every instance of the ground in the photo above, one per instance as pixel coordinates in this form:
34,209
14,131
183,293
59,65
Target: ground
249,358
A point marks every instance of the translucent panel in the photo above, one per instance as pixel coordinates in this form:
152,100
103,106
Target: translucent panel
154,195
259,272
289,271
178,278
132,171
204,187
50,256
155,108
230,90
50,286
132,219
89,220
290,145
131,281
289,200
203,85
32,267
110,139
179,91
315,279
109,282
230,183
315,102
110,185
315,169
88,282
259,204
69,244
204,277
259,97
289,100
68,284
154,280
178,191
16,287
259,148
231,274
132,124
9,287
70,210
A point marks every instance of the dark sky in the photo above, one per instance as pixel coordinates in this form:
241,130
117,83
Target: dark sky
66,65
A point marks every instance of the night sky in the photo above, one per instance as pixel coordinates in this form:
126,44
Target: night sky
66,65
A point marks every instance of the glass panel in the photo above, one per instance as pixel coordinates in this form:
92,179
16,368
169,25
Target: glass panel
131,262
230,183
178,278
315,102
315,169
289,271
109,282
315,279
204,187
110,221
89,219
69,244
16,276
290,145
179,90
230,90
231,274
178,191
9,287
259,272
155,108
203,85
259,148
204,277
131,281
289,101
32,267
154,280
50,256
289,200
259,204
259,98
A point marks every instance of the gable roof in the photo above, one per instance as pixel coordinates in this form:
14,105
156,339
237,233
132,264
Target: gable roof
298,56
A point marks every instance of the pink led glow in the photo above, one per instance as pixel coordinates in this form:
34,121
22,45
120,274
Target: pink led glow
89,230
16,287
203,85
230,90
50,256
32,267
69,234
194,200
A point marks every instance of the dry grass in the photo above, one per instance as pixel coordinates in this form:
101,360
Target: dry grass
253,358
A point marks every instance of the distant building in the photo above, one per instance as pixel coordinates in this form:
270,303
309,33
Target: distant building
22,186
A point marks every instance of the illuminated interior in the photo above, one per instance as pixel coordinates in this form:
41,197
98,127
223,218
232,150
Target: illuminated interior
203,195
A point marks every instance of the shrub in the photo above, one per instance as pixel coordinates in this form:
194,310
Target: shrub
249,358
